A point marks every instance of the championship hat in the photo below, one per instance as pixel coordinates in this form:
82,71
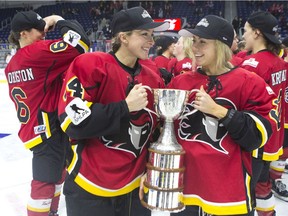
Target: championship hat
266,23
135,18
212,27
26,20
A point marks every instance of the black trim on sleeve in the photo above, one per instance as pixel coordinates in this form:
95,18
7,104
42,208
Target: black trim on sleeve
66,25
243,129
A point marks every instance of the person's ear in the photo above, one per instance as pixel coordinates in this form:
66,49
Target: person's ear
123,38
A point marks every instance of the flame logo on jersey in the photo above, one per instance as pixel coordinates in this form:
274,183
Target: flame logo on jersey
204,128
133,135
275,114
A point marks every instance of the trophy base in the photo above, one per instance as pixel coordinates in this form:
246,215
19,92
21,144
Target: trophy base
162,199
169,210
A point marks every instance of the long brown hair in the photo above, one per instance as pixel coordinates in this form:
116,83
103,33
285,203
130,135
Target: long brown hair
14,38
116,41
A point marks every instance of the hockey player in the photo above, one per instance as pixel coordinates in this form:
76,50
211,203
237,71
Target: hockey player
102,110
184,60
279,168
164,50
34,76
233,118
261,41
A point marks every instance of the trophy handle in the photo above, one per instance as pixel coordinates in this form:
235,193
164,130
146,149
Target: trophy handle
147,109
193,111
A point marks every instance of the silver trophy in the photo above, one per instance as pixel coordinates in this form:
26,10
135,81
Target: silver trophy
163,187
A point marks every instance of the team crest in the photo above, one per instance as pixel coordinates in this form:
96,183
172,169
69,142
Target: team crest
203,128
134,134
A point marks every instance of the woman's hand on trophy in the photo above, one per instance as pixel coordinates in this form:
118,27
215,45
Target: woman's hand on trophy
141,189
137,98
204,103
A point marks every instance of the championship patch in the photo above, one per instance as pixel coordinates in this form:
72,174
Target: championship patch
39,129
72,38
77,111
269,90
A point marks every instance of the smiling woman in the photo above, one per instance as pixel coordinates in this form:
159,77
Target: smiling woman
233,118
111,141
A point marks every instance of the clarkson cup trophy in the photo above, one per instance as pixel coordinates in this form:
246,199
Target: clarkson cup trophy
163,187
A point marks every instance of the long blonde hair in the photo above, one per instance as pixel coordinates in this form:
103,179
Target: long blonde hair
223,56
187,47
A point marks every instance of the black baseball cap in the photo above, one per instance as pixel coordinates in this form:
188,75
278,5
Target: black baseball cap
212,27
26,20
266,23
164,41
135,18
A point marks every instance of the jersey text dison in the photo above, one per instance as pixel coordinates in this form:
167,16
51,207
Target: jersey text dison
20,76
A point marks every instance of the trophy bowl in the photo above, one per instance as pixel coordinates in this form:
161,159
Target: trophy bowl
170,103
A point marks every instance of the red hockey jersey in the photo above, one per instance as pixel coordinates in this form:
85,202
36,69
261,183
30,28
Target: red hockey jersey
161,61
34,76
176,67
218,154
273,70
110,150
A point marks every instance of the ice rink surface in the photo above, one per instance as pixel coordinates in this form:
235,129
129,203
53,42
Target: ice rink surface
15,163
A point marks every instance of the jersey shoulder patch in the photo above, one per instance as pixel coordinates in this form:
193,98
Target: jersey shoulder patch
77,111
72,38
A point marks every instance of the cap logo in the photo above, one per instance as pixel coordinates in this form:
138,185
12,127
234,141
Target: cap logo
204,22
145,14
39,17
224,38
275,28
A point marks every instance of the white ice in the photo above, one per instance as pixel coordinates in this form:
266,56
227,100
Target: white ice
15,163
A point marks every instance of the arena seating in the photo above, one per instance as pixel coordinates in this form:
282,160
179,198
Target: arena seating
193,11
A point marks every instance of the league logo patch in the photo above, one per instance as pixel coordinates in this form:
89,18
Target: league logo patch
72,38
39,129
77,111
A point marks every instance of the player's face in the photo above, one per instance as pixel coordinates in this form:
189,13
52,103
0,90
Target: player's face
249,36
234,46
140,42
204,51
178,48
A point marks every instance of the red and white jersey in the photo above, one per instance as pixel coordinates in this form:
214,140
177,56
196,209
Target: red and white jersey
218,154
34,76
177,67
274,71
110,151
